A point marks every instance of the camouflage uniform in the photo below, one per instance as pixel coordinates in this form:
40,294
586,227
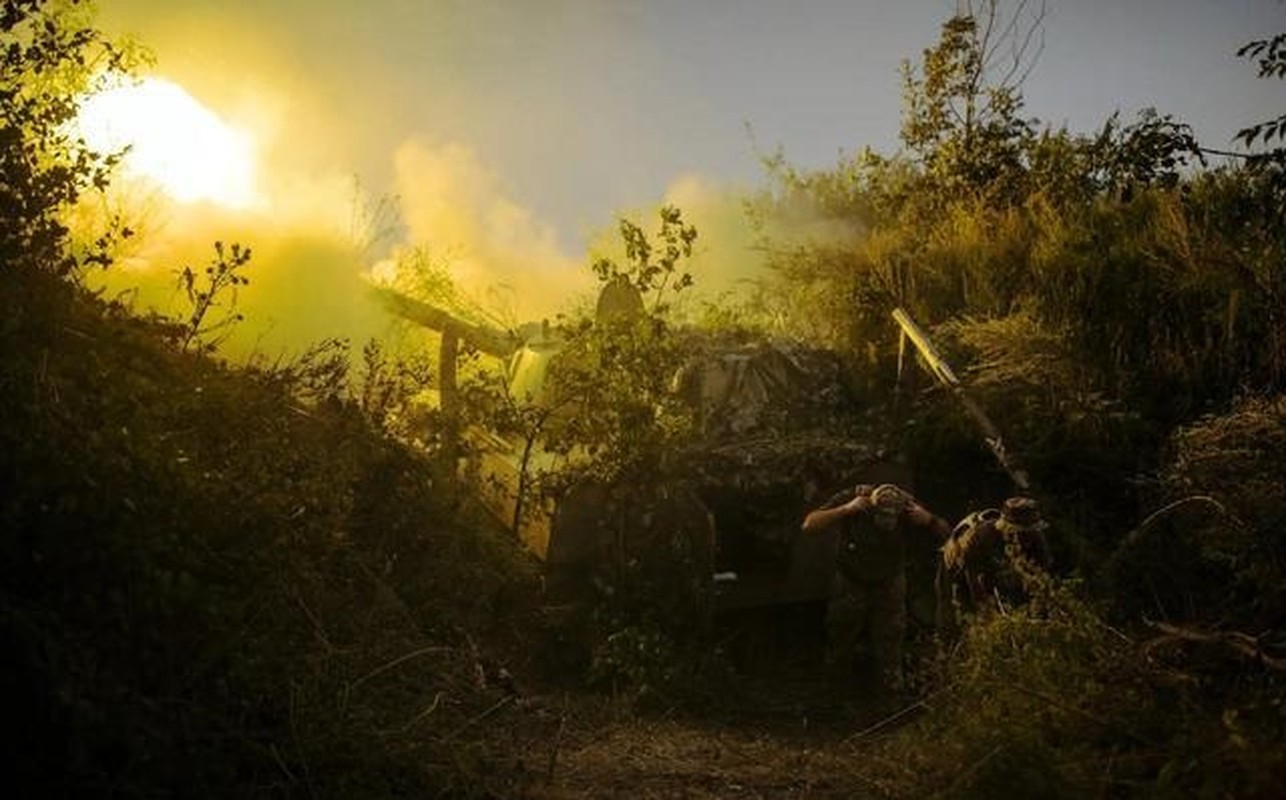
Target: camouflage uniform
868,604
980,562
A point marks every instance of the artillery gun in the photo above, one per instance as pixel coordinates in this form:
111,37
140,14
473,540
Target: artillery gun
778,431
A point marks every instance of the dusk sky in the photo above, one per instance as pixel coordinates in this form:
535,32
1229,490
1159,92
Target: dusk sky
530,124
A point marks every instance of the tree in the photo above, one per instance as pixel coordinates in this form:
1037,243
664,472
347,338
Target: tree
617,368
1149,152
51,58
1271,57
629,426
961,110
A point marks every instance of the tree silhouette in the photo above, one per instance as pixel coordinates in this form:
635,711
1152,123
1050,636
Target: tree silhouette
52,59
1271,57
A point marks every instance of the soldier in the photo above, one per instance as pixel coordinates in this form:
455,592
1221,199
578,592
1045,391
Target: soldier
881,528
984,560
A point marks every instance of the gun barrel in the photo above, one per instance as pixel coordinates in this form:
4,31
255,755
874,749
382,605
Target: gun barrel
920,339
942,370
491,341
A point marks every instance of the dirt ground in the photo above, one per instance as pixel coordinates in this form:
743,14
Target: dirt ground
794,732
589,751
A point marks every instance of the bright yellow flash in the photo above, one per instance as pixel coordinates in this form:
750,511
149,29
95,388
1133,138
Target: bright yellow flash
175,141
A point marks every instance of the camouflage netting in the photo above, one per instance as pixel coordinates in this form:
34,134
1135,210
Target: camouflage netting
758,386
779,430
773,413
821,457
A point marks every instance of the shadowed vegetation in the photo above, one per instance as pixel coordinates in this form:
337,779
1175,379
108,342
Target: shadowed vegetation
262,580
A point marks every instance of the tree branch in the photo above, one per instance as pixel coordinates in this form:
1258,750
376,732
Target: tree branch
1243,644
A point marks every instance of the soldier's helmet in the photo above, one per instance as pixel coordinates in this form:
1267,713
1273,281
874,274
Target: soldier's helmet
975,520
964,536
1020,514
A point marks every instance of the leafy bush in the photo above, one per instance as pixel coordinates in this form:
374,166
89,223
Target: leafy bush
229,582
1049,700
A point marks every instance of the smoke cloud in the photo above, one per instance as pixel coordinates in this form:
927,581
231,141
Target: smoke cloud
317,249
497,251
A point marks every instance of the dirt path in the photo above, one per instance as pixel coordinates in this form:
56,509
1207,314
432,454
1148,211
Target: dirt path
672,759
780,729
585,749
